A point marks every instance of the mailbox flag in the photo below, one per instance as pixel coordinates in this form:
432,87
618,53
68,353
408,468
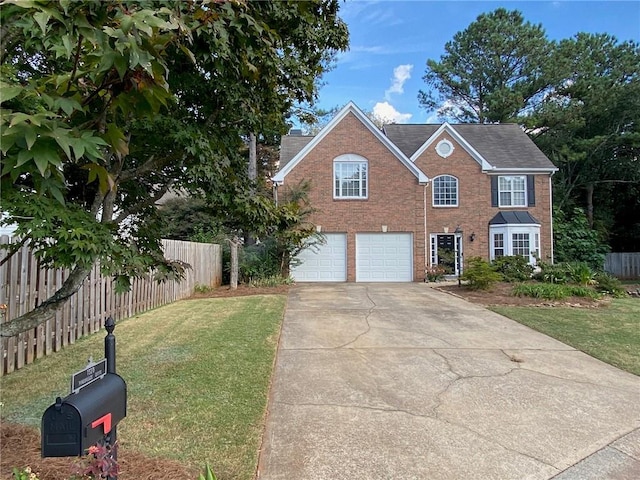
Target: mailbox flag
105,421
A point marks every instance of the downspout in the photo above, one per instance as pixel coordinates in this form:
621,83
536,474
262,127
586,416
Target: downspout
275,193
426,240
551,213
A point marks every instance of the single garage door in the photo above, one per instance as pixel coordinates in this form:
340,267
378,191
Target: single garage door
323,263
384,257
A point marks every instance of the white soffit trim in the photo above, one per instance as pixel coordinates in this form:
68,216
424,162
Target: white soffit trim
445,127
502,171
351,108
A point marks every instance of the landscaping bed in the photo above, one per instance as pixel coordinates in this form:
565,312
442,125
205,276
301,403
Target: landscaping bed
501,294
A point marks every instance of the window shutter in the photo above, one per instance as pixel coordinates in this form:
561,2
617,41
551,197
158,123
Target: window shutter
531,190
494,191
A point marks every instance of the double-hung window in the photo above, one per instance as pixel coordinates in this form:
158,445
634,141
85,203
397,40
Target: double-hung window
350,177
445,191
512,191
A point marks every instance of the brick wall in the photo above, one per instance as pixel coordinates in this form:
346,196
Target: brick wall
474,210
395,198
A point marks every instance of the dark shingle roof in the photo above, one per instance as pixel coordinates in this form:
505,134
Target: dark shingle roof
502,145
510,218
408,138
290,145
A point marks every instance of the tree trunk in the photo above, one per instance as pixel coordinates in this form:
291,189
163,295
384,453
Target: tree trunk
253,175
234,263
590,204
47,309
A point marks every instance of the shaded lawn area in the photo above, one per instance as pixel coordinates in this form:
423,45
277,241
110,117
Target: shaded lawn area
610,333
197,374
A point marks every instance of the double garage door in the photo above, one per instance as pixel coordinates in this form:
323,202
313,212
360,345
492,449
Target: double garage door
380,257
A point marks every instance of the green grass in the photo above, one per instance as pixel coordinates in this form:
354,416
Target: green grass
611,333
197,374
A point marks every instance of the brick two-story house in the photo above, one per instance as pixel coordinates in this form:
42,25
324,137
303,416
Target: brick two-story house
393,203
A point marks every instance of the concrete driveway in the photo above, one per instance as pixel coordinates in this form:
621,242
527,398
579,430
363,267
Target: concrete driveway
400,381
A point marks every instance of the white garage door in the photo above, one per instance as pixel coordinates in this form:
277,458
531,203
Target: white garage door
323,263
384,257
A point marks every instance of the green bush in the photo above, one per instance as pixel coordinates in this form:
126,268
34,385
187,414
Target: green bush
514,268
575,241
558,273
273,281
199,288
609,284
581,273
553,291
479,274
258,261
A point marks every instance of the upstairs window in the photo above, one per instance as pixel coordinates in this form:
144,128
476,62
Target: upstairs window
512,191
350,177
445,191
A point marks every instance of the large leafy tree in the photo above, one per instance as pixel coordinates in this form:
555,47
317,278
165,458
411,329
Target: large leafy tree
108,105
589,125
493,71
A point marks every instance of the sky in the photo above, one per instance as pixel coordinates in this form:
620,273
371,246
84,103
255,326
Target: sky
391,40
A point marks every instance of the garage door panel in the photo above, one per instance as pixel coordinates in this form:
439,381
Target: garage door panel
383,257
323,263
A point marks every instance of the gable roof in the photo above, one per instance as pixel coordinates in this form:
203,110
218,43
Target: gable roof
290,145
350,108
497,147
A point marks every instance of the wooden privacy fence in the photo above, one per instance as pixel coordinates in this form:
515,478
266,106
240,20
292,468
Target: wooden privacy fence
23,285
623,265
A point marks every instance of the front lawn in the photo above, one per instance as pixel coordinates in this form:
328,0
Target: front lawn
610,333
197,374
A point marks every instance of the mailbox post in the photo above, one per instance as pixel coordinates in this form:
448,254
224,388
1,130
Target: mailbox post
89,415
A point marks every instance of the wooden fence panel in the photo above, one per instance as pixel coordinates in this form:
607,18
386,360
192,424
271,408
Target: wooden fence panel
24,285
623,265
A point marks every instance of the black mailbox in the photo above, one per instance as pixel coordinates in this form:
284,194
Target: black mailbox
73,424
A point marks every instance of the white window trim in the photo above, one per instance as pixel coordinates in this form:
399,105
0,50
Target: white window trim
433,191
526,193
441,144
350,158
508,230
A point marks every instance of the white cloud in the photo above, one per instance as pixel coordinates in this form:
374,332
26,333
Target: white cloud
388,114
401,74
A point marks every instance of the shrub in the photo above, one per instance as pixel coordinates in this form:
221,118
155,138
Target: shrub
513,268
199,288
581,273
479,274
435,273
575,241
552,291
258,261
272,281
609,284
558,273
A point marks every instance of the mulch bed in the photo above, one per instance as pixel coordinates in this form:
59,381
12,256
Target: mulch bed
500,294
20,447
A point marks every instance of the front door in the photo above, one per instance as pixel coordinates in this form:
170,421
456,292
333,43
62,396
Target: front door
446,251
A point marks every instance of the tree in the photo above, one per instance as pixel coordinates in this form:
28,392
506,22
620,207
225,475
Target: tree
589,125
108,105
493,71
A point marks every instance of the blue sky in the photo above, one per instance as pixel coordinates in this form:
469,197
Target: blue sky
391,41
